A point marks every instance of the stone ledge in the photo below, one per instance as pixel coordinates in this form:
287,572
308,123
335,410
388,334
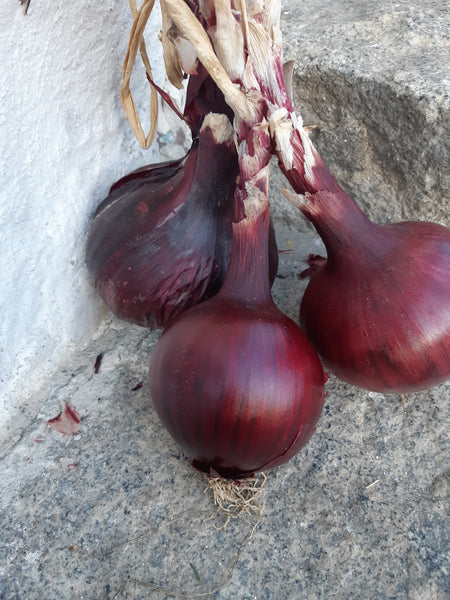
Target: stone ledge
373,80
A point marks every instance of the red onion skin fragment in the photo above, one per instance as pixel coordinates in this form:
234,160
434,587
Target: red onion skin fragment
315,262
98,362
234,380
378,310
26,4
67,422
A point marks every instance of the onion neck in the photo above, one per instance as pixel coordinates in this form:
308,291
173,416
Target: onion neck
346,231
247,279
203,97
217,152
214,168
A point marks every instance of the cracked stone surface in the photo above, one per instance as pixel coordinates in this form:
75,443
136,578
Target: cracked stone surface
116,511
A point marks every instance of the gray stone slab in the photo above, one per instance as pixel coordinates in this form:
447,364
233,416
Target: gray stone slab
373,79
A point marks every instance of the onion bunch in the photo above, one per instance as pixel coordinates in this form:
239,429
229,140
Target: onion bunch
236,382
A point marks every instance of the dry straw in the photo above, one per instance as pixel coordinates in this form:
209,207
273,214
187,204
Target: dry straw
136,43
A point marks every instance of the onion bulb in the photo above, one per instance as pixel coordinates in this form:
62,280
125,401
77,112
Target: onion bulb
161,241
155,245
234,380
378,309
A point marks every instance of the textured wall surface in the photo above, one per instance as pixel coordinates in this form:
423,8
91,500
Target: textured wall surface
373,79
63,141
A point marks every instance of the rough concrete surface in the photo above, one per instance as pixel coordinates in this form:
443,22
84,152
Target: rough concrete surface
116,511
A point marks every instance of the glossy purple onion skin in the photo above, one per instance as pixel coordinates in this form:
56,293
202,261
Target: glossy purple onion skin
236,382
237,412
378,311
156,173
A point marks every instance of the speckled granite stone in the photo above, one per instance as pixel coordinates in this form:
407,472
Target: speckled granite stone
373,79
116,511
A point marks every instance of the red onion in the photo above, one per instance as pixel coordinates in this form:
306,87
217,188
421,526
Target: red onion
161,241
378,310
155,246
234,380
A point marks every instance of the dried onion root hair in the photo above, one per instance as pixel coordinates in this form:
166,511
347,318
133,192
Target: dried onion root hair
235,498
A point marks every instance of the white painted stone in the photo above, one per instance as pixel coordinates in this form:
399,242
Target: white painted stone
64,140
